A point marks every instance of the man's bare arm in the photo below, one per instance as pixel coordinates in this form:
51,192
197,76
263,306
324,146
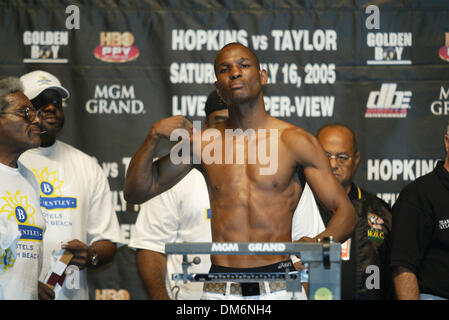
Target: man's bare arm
405,284
145,179
309,153
151,267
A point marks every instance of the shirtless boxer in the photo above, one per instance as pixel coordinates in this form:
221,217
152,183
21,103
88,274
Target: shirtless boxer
247,206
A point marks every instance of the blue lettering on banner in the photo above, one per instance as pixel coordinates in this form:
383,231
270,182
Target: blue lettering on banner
30,232
58,203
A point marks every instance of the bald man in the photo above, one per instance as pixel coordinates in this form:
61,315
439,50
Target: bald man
365,267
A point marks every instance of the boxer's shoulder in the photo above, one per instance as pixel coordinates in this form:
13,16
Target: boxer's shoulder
295,136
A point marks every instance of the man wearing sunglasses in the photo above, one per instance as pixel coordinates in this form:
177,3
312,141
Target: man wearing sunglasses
74,192
22,224
365,265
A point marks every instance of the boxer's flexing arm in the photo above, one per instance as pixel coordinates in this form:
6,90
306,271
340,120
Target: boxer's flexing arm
308,152
145,179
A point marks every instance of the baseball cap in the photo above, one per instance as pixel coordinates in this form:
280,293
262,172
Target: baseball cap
37,81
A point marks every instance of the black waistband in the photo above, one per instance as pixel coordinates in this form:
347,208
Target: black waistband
276,267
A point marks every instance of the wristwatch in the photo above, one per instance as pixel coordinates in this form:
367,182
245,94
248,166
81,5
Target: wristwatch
94,258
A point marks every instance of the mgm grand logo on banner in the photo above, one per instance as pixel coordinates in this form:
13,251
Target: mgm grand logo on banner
44,46
115,99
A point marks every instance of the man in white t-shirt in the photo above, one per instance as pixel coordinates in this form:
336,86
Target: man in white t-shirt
23,225
73,190
182,214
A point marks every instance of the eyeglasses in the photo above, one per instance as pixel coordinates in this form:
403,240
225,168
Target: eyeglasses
42,101
341,158
29,113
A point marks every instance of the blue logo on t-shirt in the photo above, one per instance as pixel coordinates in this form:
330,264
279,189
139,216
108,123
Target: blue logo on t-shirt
21,214
18,206
46,188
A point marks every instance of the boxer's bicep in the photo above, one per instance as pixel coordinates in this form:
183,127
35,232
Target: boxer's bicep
325,187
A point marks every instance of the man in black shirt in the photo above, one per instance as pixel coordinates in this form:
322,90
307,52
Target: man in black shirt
420,244
365,256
